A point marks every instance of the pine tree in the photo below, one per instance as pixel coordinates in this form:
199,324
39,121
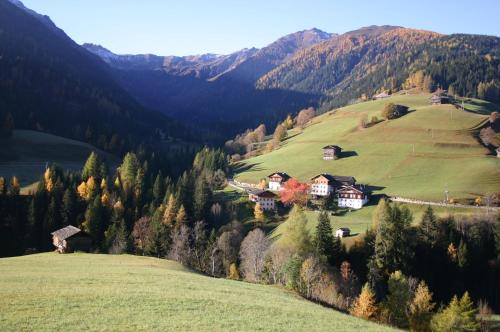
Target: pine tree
92,167
420,311
397,300
364,306
323,238
202,198
128,170
294,232
459,315
68,208
94,223
258,213
380,214
158,189
462,254
170,211
429,228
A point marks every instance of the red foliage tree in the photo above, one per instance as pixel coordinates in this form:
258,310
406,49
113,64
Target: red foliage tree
294,192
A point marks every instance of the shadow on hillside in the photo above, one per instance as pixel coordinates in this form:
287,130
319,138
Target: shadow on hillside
347,154
242,167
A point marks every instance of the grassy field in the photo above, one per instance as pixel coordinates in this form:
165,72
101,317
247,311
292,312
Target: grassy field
51,292
420,155
27,152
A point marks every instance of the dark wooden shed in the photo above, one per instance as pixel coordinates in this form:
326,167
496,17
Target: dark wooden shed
70,238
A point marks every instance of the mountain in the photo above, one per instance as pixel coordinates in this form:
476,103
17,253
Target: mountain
372,59
50,83
214,93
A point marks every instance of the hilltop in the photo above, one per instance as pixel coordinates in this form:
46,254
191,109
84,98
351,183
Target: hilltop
132,293
420,155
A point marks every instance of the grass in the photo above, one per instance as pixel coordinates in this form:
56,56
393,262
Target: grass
27,152
48,292
420,155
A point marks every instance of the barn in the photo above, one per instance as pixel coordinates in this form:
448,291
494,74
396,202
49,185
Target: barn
71,238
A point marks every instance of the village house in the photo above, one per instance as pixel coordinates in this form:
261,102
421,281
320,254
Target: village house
265,198
381,96
438,100
342,232
70,238
326,184
353,196
276,180
331,152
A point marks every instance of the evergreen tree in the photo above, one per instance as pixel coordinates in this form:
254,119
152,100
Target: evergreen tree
94,223
420,311
462,254
380,214
158,189
364,306
202,199
294,232
68,208
129,169
397,301
428,229
323,238
92,167
459,315
392,249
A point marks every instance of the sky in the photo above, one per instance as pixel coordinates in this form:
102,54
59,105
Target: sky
184,27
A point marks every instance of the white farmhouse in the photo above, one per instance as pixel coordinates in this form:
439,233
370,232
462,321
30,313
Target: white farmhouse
265,198
277,179
354,196
326,184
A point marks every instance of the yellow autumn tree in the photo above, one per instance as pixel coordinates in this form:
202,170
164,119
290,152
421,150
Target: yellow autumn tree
91,187
49,184
364,306
170,213
233,272
83,191
258,213
421,306
105,199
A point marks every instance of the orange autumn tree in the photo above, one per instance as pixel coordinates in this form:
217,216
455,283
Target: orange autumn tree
294,192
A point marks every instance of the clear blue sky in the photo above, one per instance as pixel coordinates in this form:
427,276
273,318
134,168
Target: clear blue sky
185,27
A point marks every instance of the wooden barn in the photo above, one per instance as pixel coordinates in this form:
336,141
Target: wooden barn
331,152
70,238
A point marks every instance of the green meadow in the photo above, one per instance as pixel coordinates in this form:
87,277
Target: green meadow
87,292
421,155
27,152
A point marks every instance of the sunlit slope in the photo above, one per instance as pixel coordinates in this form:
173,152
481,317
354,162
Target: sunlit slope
85,292
422,154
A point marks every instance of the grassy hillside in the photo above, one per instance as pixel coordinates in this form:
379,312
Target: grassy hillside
27,152
48,292
420,155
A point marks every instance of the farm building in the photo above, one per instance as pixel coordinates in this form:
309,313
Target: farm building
265,198
326,184
354,196
277,179
342,232
439,99
331,152
70,239
381,96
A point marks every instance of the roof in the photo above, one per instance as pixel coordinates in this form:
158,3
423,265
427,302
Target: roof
66,232
262,193
343,229
381,95
359,188
336,178
283,175
335,147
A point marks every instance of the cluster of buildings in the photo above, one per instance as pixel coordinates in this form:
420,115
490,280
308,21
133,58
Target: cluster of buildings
344,188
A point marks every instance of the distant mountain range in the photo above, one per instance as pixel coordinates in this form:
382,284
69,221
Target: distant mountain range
221,95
